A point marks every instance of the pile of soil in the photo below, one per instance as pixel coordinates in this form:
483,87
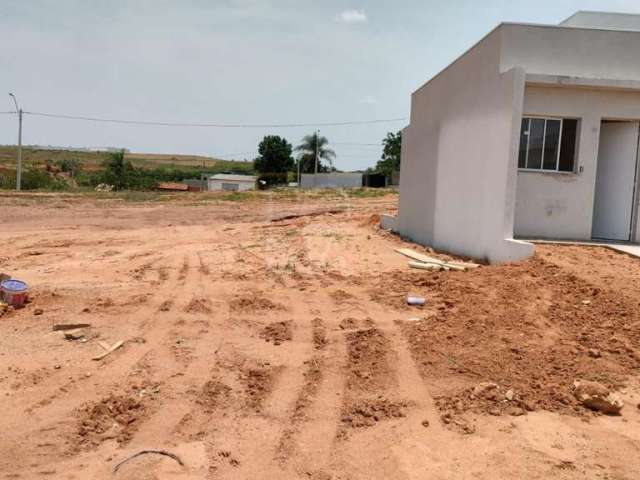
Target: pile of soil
198,305
366,413
277,332
368,366
531,328
351,323
319,334
340,296
214,394
258,383
253,303
114,417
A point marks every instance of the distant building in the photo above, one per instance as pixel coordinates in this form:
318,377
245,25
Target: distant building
331,180
231,183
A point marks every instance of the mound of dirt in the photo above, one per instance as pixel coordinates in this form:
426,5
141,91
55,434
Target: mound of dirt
368,363
254,303
198,305
213,394
319,334
366,413
340,296
277,332
531,328
258,383
114,417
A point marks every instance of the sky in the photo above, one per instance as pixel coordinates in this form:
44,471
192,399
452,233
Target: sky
237,62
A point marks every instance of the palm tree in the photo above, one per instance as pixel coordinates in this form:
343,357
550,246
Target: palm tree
307,156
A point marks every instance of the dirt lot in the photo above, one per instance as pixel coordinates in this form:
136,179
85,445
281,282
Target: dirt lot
259,345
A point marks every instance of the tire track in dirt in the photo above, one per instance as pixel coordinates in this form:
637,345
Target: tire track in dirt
307,444
188,343
272,388
73,394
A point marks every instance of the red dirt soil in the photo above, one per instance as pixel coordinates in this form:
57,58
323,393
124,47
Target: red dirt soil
257,347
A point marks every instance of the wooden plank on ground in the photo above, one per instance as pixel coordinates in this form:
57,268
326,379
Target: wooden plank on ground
407,252
427,266
112,349
70,326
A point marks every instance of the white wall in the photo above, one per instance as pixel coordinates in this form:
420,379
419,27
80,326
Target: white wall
331,180
560,205
458,170
573,52
608,20
215,185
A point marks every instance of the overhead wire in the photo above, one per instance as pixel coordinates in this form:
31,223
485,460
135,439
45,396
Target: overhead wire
212,125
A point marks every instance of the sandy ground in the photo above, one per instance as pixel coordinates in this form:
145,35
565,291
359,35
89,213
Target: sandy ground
262,347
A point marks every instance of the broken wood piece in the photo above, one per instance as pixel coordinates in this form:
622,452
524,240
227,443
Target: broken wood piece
468,265
104,345
111,349
70,326
75,334
144,452
454,265
427,266
419,256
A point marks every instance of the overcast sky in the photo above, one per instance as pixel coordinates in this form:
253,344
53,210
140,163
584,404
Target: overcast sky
237,61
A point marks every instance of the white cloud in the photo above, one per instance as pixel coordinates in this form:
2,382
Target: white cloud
353,16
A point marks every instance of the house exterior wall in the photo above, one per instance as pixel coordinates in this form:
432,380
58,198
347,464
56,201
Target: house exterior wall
560,205
331,180
216,185
570,52
608,20
459,158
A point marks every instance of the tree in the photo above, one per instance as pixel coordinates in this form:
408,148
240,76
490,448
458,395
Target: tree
117,170
275,159
307,154
390,160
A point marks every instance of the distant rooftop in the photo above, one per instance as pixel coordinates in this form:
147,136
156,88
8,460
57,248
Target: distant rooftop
603,20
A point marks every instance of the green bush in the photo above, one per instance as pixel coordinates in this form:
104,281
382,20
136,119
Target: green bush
33,179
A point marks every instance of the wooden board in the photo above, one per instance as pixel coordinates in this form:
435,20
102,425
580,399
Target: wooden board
112,349
419,256
427,259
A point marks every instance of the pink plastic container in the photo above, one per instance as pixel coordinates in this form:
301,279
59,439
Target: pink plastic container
14,292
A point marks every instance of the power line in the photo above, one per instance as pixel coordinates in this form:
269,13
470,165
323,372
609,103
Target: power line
214,125
357,144
5,113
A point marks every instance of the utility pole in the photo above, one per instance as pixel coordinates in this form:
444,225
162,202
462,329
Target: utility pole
317,142
19,166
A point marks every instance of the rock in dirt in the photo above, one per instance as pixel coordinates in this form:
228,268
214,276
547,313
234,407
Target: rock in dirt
515,411
594,353
596,396
509,395
38,311
482,388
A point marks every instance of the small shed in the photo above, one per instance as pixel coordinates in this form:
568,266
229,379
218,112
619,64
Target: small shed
231,183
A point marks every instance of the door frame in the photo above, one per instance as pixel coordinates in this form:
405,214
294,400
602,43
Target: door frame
635,196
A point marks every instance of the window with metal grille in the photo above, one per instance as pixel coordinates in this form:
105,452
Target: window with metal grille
548,144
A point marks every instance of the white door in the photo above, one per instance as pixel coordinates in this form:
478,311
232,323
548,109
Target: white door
615,180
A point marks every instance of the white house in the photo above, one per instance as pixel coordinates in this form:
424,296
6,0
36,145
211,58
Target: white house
533,132
232,183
